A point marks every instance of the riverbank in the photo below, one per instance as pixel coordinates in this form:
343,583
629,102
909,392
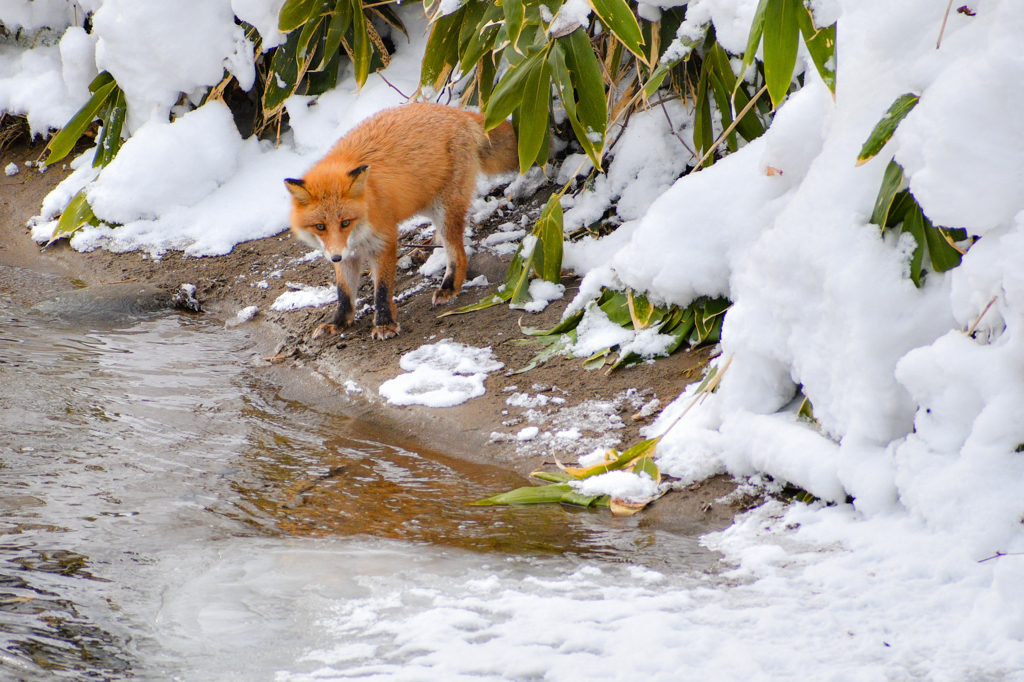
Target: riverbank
342,374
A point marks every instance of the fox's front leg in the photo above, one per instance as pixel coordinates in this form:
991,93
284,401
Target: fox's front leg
346,274
385,313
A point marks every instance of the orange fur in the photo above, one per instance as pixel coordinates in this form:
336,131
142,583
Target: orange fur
416,158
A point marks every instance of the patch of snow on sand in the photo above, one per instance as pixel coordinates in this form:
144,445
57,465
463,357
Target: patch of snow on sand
443,374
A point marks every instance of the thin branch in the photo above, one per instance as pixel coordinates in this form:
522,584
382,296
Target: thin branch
731,128
392,86
970,332
672,129
1001,554
942,30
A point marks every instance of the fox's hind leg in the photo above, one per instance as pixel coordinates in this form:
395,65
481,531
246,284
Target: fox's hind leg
450,233
346,274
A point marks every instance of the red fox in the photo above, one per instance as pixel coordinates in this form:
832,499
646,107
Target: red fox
415,158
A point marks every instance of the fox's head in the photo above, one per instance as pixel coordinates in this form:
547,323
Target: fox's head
328,207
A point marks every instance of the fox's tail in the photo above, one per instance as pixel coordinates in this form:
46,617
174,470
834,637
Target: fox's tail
499,149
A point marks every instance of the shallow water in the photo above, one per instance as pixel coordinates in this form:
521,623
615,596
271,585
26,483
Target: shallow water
165,514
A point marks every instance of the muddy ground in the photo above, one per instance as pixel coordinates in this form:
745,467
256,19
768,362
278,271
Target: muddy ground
482,429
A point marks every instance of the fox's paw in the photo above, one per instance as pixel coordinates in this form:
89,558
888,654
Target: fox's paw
386,331
444,296
326,330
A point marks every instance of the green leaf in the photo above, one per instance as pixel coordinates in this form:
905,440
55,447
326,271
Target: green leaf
646,465
390,17
547,258
294,13
620,20
781,33
892,182
311,33
754,38
489,302
914,224
555,344
821,43
442,50
340,20
77,215
562,327
109,140
703,135
508,93
749,126
515,15
943,255
283,76
806,410
885,128
591,107
539,494
615,305
552,476
480,35
99,81
597,360
361,49
533,116
64,141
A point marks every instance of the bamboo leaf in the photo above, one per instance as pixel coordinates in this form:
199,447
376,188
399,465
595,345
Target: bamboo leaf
821,43
515,15
481,35
620,20
646,465
533,117
362,51
109,142
885,128
618,461
591,107
552,476
615,305
754,39
294,13
548,257
64,141
442,50
914,224
390,17
541,494
892,182
489,302
283,76
77,215
557,344
781,32
944,255
508,93
340,20
597,360
562,327
703,135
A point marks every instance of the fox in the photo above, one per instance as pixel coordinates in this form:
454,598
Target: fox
417,158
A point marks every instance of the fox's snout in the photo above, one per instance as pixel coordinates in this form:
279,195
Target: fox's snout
336,257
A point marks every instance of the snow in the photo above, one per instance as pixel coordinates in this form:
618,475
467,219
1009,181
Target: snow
442,374
913,451
304,296
623,485
11,169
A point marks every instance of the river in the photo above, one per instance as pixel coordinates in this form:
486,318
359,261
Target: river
166,514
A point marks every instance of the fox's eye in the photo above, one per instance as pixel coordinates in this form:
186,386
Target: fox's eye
345,223
320,227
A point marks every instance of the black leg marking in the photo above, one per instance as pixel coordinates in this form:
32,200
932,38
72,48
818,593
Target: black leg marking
382,305
343,316
448,282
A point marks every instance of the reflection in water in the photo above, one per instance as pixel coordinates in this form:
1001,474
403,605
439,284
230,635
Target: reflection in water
133,460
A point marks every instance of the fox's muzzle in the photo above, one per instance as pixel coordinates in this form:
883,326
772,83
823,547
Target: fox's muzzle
336,258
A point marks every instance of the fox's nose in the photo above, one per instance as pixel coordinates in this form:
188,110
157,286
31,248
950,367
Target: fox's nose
336,258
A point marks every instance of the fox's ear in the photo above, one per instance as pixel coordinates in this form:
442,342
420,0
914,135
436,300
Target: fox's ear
358,176
297,188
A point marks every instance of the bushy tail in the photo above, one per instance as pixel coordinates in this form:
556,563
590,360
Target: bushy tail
499,150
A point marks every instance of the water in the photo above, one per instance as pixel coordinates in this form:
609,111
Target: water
166,514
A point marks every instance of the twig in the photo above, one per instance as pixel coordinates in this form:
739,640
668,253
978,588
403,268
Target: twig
731,127
407,98
945,18
711,386
1001,554
672,130
970,332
